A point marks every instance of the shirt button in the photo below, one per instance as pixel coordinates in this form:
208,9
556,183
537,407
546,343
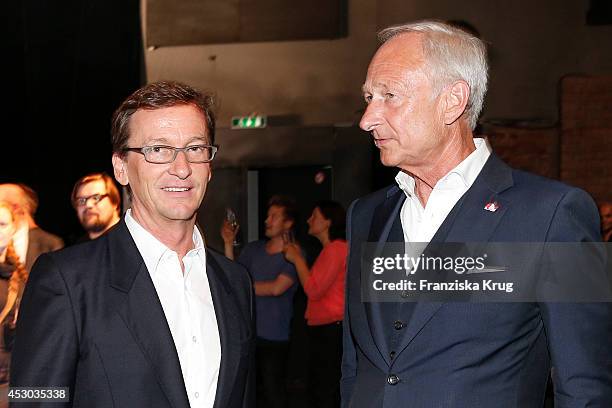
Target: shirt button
398,325
392,355
393,379
197,394
195,339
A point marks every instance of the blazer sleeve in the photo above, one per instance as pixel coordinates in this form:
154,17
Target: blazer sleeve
579,334
46,345
349,354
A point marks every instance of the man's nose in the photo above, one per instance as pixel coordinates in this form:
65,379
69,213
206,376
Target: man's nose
180,167
372,117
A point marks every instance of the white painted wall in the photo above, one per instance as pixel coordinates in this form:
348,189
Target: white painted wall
533,43
320,80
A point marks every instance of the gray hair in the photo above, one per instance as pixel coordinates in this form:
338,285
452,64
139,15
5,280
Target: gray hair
451,54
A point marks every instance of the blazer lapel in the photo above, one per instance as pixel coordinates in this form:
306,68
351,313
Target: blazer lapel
228,321
468,221
384,217
474,223
381,232
143,314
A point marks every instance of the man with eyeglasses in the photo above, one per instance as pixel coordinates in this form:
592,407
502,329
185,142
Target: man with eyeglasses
97,203
145,315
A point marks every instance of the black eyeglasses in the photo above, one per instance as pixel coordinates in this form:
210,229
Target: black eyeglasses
167,154
96,198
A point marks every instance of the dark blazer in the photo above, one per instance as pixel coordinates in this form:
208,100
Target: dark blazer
90,319
436,354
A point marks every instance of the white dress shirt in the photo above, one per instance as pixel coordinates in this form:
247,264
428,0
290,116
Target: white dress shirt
187,303
420,224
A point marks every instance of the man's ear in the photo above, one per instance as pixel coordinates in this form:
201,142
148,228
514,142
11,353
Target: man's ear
455,100
119,170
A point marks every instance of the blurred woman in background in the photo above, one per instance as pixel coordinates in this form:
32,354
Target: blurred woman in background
324,287
13,276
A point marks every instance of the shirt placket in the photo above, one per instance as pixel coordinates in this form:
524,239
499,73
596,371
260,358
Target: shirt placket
193,331
418,213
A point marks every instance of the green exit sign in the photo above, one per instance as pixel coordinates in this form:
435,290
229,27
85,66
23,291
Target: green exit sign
249,122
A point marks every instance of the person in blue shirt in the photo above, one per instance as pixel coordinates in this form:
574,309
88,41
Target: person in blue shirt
275,282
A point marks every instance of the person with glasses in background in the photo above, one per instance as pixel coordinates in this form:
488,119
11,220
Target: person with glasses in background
145,315
97,203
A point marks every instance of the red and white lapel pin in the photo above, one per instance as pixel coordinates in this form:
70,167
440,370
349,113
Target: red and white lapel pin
492,206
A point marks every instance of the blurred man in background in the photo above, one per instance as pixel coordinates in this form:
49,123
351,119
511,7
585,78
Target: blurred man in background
605,211
275,282
97,203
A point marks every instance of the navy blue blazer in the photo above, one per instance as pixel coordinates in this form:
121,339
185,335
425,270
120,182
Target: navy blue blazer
91,320
435,354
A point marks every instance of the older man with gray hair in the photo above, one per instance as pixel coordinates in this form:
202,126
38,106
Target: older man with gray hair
424,91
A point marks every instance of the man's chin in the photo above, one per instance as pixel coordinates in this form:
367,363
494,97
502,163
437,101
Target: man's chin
89,223
388,161
181,214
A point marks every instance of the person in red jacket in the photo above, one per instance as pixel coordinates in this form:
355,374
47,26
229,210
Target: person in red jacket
324,287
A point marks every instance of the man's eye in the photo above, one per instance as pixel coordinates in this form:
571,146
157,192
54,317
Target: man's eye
156,149
367,98
197,148
389,95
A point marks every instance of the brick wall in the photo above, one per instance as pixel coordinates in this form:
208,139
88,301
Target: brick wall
579,150
534,150
586,134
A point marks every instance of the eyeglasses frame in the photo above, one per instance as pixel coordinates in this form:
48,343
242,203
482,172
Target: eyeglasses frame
89,197
142,150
